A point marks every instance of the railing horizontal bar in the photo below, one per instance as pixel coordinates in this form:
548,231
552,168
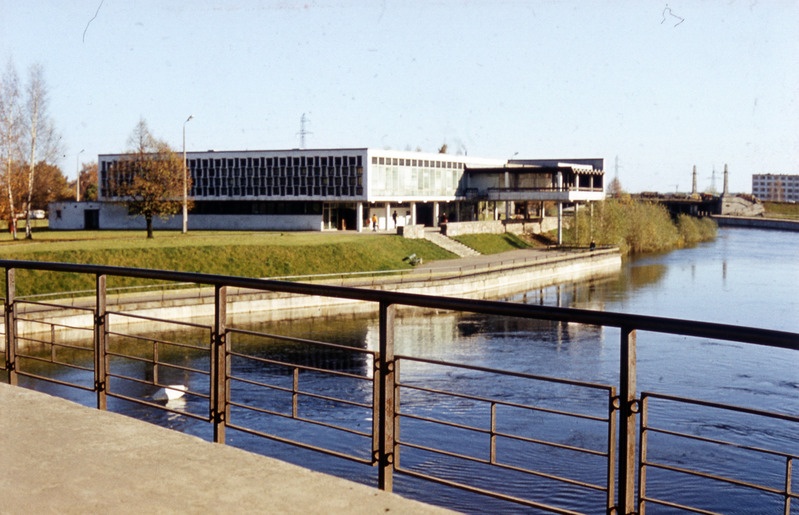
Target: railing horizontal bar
502,403
489,493
152,319
509,436
299,367
55,381
294,339
728,407
773,338
52,324
303,393
300,419
678,506
144,339
477,368
51,305
163,364
78,348
157,406
191,393
722,479
363,461
725,443
473,459
55,362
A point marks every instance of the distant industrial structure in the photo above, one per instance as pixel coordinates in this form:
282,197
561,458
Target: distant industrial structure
776,187
347,188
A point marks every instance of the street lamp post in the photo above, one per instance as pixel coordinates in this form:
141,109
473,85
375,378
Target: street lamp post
77,175
185,181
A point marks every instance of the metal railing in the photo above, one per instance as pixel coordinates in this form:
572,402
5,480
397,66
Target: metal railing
376,420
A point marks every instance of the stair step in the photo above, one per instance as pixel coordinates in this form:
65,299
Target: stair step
451,245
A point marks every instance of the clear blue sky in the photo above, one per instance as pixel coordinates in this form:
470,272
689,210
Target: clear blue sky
568,78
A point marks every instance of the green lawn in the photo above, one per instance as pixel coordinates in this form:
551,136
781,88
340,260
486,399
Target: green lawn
247,254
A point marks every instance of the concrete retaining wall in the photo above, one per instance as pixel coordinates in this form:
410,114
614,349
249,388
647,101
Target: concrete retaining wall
480,227
757,223
196,304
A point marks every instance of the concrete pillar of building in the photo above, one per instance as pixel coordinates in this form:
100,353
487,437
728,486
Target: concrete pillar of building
359,217
413,213
388,217
435,214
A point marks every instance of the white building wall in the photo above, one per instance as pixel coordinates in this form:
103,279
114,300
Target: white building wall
71,216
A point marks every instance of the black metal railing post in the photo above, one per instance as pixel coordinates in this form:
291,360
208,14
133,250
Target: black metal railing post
100,343
11,327
628,409
220,366
386,390
613,410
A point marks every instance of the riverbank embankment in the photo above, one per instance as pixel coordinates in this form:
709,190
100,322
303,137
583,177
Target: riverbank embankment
757,223
477,277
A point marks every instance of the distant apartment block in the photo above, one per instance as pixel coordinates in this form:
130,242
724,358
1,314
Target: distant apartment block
776,187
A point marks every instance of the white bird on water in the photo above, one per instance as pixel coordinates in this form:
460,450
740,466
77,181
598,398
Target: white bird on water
170,393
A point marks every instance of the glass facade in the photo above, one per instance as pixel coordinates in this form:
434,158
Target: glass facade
408,177
254,175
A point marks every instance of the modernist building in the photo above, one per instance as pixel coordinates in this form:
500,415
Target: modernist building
343,188
776,187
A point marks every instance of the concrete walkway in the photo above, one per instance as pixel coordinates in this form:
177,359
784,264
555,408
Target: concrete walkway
60,457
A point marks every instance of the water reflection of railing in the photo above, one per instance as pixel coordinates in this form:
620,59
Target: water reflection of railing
241,377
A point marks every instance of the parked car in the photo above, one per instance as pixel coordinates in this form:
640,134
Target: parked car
38,214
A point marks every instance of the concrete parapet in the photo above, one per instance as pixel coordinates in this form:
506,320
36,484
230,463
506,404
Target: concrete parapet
414,232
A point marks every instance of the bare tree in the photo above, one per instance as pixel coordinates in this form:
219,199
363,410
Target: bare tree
42,139
148,180
10,138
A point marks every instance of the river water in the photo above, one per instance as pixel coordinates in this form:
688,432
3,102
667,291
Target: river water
745,277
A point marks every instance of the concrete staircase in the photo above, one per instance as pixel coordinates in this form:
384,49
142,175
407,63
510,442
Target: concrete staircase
449,244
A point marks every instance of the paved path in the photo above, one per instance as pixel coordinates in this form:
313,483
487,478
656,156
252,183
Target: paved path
60,457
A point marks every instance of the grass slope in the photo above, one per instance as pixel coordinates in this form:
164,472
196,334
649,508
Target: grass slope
255,254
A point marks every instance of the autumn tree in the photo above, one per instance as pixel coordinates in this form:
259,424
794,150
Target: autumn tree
88,181
49,185
148,180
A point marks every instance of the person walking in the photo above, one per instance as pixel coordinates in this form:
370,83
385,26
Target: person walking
374,222
394,216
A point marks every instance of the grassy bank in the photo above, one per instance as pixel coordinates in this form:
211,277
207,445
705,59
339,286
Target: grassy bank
248,254
492,243
638,227
784,210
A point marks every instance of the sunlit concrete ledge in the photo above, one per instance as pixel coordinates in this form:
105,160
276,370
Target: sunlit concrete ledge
61,457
